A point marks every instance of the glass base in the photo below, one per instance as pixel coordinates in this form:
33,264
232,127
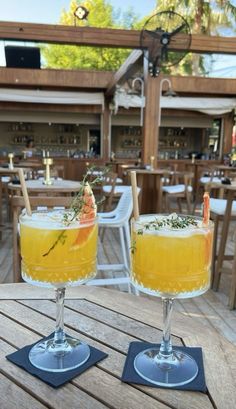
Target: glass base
175,370
49,357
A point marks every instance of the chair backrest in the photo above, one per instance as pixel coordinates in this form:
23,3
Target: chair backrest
207,171
58,171
124,208
185,178
217,190
109,180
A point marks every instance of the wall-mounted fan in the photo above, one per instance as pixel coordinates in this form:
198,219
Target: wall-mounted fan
161,32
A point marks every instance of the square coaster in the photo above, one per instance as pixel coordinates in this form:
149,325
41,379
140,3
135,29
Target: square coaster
129,374
54,379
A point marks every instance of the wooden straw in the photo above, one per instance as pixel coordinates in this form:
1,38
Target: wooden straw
135,194
206,208
24,191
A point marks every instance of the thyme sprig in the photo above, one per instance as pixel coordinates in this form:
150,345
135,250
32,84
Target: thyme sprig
60,239
173,221
78,203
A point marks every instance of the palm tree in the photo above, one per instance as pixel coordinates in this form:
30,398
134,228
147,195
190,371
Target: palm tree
210,17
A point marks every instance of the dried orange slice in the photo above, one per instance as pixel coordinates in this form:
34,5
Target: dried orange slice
87,214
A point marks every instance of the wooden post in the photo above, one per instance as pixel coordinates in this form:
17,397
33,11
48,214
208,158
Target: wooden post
106,132
228,122
151,114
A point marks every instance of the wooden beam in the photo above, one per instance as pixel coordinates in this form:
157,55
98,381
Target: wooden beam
203,86
106,37
49,78
55,78
131,66
63,108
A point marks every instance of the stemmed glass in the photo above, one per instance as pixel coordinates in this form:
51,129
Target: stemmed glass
57,254
171,258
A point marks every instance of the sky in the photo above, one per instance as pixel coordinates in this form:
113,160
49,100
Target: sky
49,11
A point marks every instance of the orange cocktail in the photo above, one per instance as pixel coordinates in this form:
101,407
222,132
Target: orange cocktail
54,253
171,255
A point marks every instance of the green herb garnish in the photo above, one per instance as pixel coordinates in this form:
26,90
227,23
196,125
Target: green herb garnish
79,203
173,221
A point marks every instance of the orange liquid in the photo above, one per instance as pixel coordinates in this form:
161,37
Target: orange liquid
73,258
175,264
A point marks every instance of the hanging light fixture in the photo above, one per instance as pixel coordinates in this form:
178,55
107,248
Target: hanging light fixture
169,93
141,82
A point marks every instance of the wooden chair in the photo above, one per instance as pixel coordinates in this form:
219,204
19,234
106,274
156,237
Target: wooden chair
180,188
6,175
118,219
108,187
206,174
35,201
58,171
219,213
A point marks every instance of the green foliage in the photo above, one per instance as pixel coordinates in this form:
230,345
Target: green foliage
204,17
80,57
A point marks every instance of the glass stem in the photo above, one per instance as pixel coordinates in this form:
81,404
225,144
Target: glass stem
59,334
166,345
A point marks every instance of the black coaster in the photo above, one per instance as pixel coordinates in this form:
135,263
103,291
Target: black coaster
130,375
54,379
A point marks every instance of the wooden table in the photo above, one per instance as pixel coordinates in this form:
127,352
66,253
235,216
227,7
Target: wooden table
37,186
150,182
108,320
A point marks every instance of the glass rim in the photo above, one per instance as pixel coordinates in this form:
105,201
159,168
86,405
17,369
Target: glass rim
24,218
210,224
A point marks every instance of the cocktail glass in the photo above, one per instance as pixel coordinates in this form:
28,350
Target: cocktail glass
171,258
58,255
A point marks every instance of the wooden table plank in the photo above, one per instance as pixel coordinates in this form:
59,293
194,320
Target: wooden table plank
109,320
12,396
219,376
20,336
61,398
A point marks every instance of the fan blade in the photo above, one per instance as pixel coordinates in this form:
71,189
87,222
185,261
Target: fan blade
154,34
177,30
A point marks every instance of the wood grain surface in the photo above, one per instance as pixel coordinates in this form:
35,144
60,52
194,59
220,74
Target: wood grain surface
108,320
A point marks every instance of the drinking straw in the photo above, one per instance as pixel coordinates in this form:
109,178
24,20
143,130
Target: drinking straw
24,191
206,208
135,194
